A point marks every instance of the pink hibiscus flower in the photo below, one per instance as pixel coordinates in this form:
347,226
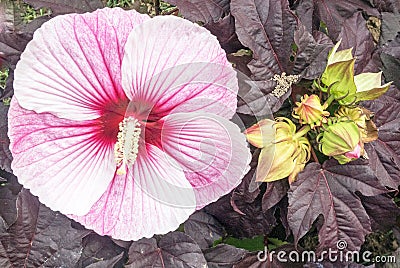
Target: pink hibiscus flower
122,122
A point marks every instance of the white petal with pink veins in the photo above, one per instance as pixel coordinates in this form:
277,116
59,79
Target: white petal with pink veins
61,161
174,65
72,67
211,150
153,198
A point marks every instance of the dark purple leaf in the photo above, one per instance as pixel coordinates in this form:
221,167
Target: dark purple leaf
331,13
283,214
305,11
311,57
382,211
241,212
276,190
396,255
224,30
122,243
11,46
384,153
99,251
267,28
390,57
386,5
322,38
355,34
374,64
4,261
393,47
202,11
173,250
386,109
390,27
248,189
330,191
239,62
251,261
5,154
67,6
113,262
8,198
223,256
252,101
40,237
204,229
252,221
384,162
12,43
214,15
10,16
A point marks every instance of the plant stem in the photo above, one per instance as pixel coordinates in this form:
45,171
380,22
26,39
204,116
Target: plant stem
303,131
328,101
314,155
170,12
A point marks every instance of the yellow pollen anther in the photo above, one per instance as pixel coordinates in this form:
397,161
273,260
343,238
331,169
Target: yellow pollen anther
127,146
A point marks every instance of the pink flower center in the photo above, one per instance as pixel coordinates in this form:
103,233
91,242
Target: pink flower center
112,114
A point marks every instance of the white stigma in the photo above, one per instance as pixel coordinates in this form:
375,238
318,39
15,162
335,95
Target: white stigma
127,147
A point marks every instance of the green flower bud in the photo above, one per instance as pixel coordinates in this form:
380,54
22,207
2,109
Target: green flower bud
341,140
338,76
341,83
362,118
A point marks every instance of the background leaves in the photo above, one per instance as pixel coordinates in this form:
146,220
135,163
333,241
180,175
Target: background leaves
331,13
213,15
330,190
266,27
172,250
39,237
5,154
384,152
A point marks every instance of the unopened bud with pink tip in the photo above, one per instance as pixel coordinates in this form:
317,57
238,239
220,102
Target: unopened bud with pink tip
341,140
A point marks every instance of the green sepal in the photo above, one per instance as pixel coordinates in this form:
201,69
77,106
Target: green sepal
339,79
369,86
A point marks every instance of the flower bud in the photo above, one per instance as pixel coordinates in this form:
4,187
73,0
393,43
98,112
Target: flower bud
283,153
338,76
261,134
362,118
310,111
341,140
